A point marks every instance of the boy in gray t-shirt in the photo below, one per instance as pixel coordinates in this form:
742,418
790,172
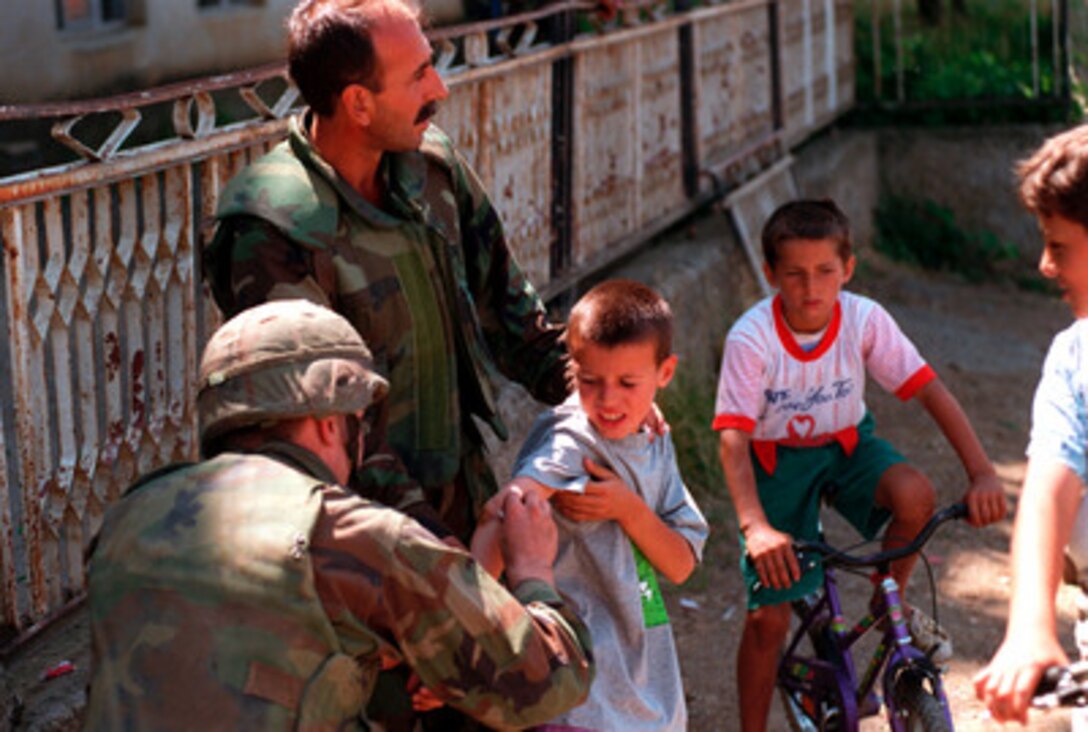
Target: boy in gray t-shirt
624,509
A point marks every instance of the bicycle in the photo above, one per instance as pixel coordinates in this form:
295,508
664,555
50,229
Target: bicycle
817,677
1062,686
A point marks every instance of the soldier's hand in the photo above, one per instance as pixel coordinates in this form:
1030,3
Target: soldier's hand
493,508
530,538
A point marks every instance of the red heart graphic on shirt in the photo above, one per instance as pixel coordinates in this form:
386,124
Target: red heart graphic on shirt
801,426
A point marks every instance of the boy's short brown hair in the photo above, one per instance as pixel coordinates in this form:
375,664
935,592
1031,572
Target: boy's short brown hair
1054,180
806,219
618,312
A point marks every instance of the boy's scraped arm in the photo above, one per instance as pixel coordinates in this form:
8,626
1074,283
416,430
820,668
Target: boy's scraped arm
985,498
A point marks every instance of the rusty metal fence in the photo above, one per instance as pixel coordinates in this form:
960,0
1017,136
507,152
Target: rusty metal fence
589,143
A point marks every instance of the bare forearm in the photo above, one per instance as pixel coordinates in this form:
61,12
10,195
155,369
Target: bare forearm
666,549
1044,523
953,423
740,478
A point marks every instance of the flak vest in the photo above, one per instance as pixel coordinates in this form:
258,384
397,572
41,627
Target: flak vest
317,215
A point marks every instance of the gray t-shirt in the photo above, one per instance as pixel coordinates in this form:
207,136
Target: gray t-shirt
638,685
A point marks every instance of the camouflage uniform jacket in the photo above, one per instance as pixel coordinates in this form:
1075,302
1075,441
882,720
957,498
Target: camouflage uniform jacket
249,592
427,279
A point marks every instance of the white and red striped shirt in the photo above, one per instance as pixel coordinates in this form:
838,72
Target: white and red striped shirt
773,389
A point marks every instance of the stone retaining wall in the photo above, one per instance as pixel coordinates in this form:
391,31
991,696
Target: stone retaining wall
967,169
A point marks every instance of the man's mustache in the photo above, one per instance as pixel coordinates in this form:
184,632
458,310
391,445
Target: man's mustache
429,110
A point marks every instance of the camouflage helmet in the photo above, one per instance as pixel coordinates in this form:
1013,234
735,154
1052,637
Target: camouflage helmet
282,360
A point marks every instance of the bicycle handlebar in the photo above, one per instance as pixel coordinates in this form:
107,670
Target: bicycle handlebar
1062,686
837,558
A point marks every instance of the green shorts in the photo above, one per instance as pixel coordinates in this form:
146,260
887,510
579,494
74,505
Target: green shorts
791,500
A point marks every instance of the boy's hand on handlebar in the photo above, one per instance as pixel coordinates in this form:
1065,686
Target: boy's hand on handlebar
771,553
985,500
1008,683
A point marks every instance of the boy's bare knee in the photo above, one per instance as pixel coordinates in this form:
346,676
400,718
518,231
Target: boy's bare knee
907,493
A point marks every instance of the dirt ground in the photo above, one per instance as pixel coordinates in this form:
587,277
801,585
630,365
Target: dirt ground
987,343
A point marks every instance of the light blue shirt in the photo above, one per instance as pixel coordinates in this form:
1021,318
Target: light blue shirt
1059,423
1059,414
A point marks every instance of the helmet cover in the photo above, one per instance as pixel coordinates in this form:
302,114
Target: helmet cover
284,359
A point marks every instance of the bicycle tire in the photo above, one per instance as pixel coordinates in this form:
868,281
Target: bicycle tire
923,709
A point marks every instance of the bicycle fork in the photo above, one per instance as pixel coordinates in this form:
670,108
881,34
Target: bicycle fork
903,658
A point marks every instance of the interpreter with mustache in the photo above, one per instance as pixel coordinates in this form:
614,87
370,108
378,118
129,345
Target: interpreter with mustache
368,209
795,430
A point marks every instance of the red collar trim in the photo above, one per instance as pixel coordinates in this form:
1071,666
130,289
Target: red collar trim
785,335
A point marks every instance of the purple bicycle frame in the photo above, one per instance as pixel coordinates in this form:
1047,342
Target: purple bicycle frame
818,676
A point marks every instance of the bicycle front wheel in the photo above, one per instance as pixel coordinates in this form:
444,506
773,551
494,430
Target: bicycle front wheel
920,704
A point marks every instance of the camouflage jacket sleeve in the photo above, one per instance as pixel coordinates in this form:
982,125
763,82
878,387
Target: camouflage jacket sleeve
527,348
240,279
393,591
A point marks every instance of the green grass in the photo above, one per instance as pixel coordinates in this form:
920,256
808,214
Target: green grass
688,403
926,234
985,55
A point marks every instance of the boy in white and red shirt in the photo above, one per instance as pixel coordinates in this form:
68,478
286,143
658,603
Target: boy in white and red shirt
794,426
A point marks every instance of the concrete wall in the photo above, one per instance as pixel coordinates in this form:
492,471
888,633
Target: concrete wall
969,170
161,40
841,164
